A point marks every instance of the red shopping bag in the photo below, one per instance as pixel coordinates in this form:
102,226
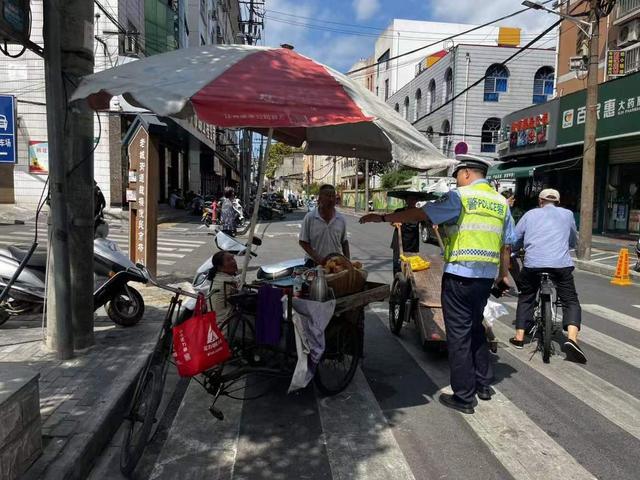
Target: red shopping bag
198,343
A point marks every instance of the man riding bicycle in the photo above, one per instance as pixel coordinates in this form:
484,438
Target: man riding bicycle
547,233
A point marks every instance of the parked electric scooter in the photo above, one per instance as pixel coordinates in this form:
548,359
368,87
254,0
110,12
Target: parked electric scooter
125,305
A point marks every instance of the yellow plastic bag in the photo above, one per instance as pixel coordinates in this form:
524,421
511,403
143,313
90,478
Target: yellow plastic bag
416,263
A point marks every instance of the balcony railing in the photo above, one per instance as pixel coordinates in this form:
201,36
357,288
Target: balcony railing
632,59
627,7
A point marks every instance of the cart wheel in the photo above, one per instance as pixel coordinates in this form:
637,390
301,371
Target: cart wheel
340,359
398,303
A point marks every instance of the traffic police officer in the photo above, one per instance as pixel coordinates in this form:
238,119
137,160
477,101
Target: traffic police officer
479,231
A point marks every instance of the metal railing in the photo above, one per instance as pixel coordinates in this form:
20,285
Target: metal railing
625,7
632,59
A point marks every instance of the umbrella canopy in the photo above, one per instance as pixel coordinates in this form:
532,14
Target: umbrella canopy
262,88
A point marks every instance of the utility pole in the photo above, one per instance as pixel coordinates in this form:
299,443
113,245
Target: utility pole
355,207
59,323
366,185
589,147
334,171
68,57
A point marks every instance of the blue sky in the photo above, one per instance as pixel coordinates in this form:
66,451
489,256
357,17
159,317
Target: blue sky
339,32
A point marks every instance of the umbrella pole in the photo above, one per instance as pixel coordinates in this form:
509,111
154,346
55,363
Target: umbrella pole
256,207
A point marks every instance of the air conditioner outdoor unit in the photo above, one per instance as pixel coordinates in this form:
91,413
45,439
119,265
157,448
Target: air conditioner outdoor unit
629,33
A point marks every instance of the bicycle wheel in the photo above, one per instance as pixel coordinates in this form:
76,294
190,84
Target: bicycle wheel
397,304
141,417
547,327
340,359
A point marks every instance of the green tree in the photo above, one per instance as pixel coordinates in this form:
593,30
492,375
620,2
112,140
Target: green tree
396,177
277,152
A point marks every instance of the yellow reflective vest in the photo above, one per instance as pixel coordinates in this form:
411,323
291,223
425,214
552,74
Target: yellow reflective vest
477,235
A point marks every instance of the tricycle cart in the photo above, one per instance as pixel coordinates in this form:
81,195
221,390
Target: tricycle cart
415,295
343,348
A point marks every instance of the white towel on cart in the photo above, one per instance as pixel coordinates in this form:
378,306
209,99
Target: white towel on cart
310,319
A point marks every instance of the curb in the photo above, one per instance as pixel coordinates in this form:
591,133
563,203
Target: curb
606,270
76,458
14,222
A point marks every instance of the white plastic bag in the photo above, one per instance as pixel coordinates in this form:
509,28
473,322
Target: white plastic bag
493,311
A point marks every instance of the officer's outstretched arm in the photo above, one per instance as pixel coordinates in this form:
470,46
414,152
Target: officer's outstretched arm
410,215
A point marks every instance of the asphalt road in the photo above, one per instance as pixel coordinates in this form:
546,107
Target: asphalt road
557,420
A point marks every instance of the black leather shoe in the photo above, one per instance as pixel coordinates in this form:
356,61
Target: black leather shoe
454,402
484,393
574,352
516,343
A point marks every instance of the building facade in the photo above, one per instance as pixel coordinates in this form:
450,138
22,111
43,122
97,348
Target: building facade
193,155
557,160
401,37
474,118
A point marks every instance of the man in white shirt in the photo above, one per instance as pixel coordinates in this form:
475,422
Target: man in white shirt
324,230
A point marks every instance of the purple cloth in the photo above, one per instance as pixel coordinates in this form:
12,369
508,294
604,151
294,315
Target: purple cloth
269,315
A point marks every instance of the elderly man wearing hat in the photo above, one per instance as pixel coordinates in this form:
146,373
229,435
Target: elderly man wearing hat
479,230
547,233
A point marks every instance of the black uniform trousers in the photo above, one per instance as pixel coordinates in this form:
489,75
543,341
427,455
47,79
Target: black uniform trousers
463,302
529,283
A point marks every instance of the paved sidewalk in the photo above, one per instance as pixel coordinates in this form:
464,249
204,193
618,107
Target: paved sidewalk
82,400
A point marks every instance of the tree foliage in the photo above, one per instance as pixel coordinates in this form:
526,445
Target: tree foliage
396,177
277,152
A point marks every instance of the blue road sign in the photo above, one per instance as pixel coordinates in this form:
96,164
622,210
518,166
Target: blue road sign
8,129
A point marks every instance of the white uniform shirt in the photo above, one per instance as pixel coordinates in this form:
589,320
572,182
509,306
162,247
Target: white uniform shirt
325,238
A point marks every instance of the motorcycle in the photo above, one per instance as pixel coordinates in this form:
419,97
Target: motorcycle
125,305
202,280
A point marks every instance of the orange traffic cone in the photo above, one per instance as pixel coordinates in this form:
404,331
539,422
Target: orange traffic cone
622,277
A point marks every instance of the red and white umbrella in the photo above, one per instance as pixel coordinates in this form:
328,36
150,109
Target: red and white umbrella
271,90
262,88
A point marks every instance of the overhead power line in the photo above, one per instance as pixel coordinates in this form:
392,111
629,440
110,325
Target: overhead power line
450,37
481,79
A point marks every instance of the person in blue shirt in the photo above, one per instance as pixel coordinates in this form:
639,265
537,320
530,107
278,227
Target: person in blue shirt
547,234
479,230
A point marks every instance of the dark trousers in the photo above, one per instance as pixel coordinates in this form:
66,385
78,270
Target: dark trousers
463,302
529,283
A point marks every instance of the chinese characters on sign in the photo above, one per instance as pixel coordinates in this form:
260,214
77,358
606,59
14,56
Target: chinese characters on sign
529,131
142,195
616,62
608,109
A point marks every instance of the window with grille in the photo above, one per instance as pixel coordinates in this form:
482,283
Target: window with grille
430,134
543,84
397,108
496,82
490,135
432,95
448,85
418,109
405,110
445,140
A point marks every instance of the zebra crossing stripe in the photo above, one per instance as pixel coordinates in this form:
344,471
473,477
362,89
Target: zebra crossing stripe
378,457
613,316
611,402
600,341
512,437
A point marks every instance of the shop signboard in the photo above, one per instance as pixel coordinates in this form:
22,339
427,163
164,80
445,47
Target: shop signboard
530,130
616,63
618,111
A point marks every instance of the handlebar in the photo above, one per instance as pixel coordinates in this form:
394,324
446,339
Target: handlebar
178,290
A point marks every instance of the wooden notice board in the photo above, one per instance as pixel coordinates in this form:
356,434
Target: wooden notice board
142,195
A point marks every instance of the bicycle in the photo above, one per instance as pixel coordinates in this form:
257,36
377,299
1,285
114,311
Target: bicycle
545,316
333,374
